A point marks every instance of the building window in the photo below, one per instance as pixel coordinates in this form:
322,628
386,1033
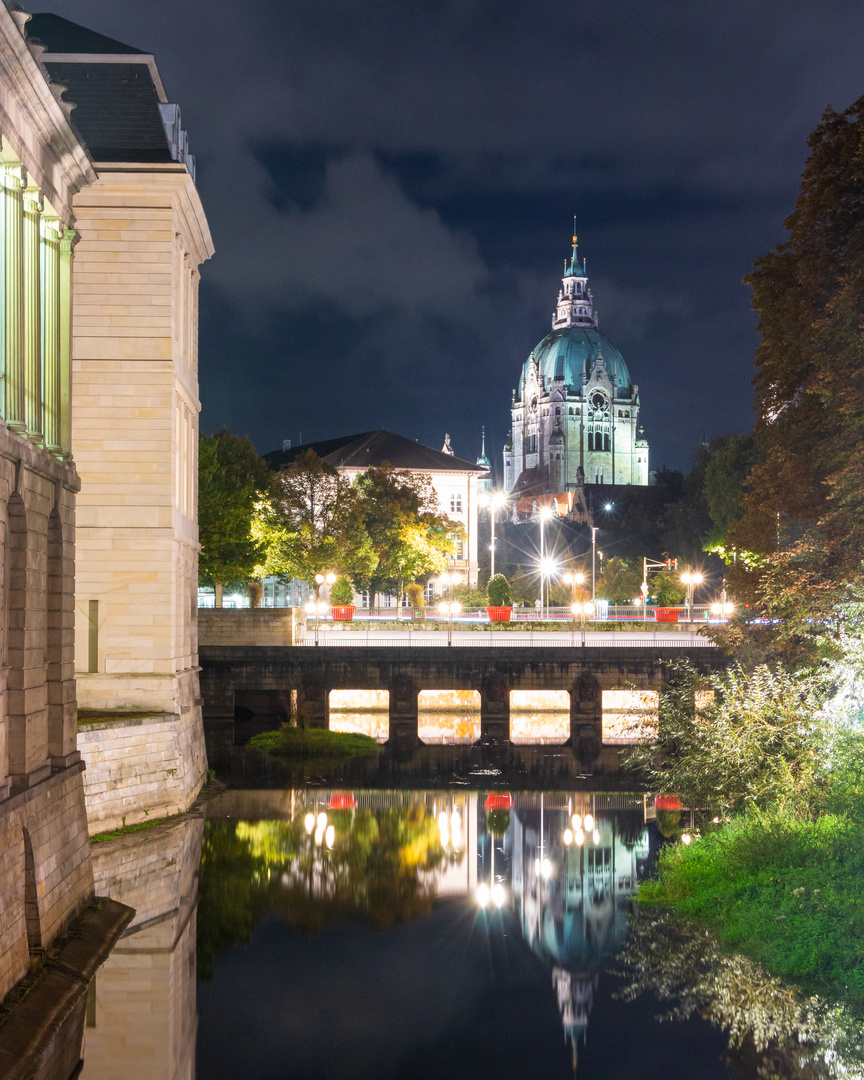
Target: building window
455,504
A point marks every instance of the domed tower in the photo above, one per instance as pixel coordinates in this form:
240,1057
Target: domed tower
575,412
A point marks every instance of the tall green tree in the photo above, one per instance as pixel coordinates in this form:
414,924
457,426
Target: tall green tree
311,523
805,515
231,477
727,485
408,533
621,581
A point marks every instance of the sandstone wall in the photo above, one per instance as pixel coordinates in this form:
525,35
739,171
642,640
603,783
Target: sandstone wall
248,626
141,768
45,874
142,1018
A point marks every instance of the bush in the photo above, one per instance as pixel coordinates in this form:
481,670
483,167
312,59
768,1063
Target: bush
255,592
342,593
416,596
313,742
498,592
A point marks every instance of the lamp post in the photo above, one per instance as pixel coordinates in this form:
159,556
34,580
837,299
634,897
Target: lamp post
450,609
691,581
544,515
494,500
316,608
593,563
582,609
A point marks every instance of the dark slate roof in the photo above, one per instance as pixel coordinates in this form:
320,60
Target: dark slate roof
116,104
59,35
117,110
374,448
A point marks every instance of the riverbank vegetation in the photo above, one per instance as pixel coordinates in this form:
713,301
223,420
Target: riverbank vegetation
291,741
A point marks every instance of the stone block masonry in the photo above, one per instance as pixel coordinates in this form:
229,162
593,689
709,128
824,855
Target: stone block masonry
141,768
45,874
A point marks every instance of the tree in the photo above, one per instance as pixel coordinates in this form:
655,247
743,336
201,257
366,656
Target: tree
409,535
805,516
666,589
311,523
727,484
231,477
620,582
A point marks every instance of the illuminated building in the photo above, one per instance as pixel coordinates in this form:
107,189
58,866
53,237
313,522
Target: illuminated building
575,411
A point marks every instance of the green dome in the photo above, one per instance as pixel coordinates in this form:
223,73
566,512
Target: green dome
563,354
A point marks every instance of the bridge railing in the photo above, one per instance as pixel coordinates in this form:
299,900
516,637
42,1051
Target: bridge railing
505,639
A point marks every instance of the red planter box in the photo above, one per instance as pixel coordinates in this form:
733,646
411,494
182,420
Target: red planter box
667,614
499,614
342,613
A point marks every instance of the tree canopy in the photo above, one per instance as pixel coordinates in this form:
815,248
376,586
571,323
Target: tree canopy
231,477
805,515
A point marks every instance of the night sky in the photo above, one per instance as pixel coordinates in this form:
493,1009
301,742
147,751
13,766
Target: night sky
391,185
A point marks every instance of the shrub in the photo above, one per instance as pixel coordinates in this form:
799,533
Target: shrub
342,593
416,596
498,591
255,592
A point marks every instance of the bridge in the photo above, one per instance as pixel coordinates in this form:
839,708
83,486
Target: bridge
595,683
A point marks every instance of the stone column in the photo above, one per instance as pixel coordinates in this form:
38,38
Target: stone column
494,709
32,312
67,242
14,184
51,331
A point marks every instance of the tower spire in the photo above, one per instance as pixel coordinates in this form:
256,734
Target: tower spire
575,242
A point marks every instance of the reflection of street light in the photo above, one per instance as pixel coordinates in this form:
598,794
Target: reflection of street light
309,822
494,500
317,608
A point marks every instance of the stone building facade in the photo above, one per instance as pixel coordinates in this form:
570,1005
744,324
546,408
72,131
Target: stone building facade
575,413
45,873
143,235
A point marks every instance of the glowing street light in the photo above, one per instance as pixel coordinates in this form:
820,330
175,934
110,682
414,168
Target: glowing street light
581,609
317,608
450,609
691,580
545,515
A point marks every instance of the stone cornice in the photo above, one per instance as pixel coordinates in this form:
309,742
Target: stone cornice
174,180
36,123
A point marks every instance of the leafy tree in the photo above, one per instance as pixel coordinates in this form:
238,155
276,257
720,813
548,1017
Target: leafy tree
498,591
727,483
231,477
342,592
409,535
805,515
620,582
416,596
311,523
665,588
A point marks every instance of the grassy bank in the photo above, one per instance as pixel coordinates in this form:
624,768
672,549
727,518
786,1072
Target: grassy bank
313,742
786,890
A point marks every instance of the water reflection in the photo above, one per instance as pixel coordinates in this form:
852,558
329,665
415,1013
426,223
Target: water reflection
141,1017
539,717
774,1033
448,716
375,723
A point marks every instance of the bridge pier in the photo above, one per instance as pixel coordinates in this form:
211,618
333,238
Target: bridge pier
494,708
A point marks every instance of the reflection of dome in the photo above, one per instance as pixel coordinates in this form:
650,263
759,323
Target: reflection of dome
566,353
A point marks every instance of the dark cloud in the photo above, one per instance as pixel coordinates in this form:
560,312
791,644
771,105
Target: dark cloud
390,188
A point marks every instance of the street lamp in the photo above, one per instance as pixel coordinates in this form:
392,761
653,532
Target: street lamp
593,563
544,515
494,500
450,580
723,609
691,581
317,608
581,609
547,569
450,609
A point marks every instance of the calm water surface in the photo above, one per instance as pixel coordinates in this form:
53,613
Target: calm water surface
447,912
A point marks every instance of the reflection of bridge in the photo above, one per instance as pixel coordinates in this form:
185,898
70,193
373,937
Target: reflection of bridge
295,680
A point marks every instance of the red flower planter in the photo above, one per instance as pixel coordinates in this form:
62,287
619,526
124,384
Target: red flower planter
499,614
342,612
667,614
342,800
498,801
668,802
